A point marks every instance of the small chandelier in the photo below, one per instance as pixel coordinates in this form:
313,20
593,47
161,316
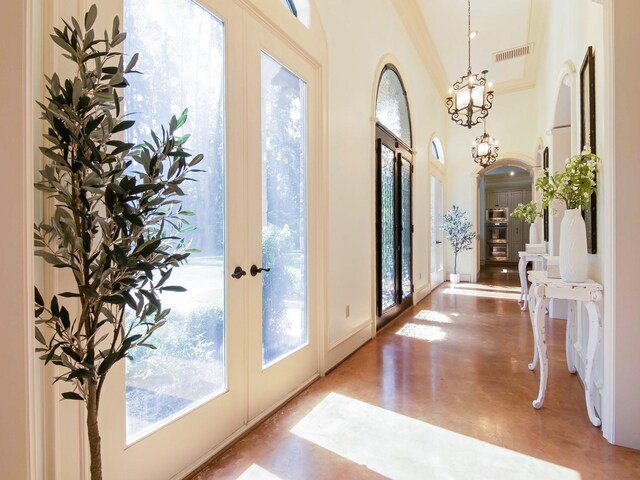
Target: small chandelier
469,100
484,149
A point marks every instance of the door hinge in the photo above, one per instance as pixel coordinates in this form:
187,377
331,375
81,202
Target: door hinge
412,229
412,168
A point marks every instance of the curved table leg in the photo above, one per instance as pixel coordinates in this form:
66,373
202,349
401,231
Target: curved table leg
571,319
541,305
592,345
532,304
522,271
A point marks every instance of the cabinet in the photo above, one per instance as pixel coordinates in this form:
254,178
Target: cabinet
518,230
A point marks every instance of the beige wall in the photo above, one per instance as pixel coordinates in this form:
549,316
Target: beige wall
359,46
16,374
626,174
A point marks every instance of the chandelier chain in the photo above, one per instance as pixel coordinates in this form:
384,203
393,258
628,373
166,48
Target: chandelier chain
469,32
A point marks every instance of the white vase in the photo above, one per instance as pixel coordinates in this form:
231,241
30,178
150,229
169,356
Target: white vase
573,247
454,277
533,234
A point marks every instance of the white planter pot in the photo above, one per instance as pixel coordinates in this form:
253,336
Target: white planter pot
534,237
454,277
573,247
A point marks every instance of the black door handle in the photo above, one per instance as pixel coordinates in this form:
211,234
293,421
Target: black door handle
255,270
238,272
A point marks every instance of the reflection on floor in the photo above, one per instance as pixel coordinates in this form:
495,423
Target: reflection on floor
454,405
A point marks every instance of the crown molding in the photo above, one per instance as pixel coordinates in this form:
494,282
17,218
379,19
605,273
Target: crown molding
413,20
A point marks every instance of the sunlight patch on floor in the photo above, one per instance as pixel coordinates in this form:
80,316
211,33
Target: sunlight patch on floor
492,288
401,447
481,293
429,333
432,316
256,472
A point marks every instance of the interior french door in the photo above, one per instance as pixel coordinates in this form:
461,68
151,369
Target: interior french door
437,235
243,337
394,227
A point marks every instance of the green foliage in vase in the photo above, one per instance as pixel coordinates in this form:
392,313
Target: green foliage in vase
575,185
457,227
116,222
527,212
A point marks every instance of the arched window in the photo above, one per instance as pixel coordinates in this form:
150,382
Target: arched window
437,150
392,109
300,9
394,169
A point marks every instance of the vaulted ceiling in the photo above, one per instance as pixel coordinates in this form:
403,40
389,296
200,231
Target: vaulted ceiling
441,31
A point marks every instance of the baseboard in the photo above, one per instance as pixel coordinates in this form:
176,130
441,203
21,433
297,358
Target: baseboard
348,344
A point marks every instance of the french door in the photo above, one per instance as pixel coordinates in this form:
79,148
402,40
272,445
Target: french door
437,235
244,337
394,226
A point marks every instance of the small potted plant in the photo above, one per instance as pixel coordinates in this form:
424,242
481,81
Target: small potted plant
529,212
574,186
457,227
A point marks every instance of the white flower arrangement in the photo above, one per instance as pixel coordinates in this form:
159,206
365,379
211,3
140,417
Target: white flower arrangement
575,185
527,212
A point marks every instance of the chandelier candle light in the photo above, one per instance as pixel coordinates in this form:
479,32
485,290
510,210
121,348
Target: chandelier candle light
469,100
484,149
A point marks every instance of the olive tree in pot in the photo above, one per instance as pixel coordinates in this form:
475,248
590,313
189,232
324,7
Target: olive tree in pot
116,220
457,227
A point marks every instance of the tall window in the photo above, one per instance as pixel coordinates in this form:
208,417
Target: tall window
181,49
394,171
301,9
437,150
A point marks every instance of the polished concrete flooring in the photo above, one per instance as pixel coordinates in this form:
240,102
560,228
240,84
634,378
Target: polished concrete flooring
442,392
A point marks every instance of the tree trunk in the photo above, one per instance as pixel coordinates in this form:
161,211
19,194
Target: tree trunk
94,433
455,263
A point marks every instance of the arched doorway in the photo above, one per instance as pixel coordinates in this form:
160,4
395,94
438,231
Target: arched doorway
394,226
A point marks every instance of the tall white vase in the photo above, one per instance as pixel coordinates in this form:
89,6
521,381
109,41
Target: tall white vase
534,237
573,247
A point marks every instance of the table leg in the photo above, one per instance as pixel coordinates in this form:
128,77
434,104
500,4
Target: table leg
541,340
592,345
522,271
571,320
532,304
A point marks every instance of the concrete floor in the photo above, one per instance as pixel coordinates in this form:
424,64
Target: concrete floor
442,392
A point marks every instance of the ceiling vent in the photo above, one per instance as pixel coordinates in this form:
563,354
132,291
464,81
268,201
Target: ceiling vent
512,53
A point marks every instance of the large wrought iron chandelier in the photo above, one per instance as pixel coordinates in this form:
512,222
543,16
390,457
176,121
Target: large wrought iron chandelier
469,98
484,149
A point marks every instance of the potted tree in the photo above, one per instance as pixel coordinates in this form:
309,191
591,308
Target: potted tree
116,220
457,227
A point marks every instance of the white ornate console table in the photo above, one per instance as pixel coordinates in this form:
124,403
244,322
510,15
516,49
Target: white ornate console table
590,293
525,258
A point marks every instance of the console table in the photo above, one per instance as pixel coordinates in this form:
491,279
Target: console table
525,258
590,293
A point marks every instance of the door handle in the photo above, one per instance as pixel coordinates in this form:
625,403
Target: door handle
255,270
438,242
238,272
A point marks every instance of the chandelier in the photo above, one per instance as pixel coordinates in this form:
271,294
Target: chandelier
469,99
484,149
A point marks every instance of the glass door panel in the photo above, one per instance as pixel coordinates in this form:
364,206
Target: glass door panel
437,235
189,364
434,227
405,214
387,227
284,215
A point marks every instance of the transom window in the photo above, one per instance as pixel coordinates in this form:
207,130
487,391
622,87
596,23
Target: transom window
392,109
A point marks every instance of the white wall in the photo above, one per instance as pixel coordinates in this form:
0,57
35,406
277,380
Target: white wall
512,121
362,37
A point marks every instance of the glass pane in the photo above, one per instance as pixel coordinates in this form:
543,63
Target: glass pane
406,227
440,232
174,37
392,110
284,211
434,231
388,266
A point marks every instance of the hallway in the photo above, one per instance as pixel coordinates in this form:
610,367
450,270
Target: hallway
442,392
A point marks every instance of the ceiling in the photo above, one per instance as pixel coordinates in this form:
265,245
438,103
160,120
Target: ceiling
501,25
